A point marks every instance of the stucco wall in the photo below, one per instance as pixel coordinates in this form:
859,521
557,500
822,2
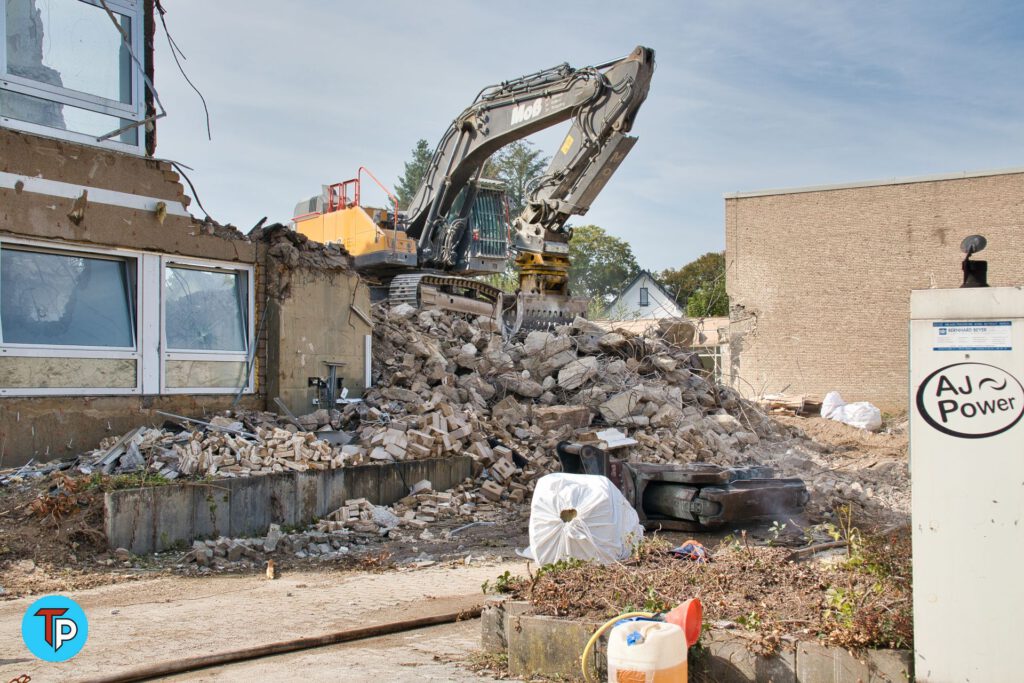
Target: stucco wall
819,282
314,324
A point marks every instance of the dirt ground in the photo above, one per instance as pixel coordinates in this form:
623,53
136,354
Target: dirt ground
163,618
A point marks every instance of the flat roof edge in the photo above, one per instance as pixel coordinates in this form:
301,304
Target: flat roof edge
875,183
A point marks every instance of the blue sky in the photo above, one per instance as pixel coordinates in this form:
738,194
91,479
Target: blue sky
747,95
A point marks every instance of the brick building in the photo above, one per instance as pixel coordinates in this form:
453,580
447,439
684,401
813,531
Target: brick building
819,278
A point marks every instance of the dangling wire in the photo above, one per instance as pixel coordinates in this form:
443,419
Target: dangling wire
175,52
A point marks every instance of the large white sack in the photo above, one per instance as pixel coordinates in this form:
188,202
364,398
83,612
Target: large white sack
862,415
581,516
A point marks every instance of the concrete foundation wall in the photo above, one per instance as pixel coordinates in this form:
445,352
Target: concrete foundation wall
153,519
52,427
819,282
552,647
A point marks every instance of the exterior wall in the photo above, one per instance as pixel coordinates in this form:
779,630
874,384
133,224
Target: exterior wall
627,304
45,427
316,323
819,281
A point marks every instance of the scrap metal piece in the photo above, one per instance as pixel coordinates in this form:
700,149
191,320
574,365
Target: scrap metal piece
689,497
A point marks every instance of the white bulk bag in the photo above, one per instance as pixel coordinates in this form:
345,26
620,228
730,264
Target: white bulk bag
862,415
581,516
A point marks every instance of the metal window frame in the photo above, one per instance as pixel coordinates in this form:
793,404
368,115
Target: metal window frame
135,111
168,354
645,293
88,352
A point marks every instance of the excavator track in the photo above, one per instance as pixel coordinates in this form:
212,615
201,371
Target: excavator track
432,290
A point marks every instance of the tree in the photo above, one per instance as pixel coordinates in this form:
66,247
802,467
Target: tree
601,264
415,169
700,273
710,300
518,165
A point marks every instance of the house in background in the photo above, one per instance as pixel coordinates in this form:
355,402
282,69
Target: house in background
644,298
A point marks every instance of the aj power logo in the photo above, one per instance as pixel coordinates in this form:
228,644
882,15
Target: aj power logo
971,400
54,628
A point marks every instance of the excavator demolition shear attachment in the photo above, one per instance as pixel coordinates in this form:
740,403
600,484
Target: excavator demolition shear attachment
694,496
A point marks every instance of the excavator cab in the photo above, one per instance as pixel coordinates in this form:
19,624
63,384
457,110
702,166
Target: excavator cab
485,247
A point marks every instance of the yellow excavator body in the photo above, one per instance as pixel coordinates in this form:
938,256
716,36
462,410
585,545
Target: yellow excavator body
357,229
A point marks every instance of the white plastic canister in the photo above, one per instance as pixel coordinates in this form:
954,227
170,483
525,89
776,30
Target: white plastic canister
646,652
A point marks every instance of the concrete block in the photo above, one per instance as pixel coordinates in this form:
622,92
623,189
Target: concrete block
445,473
724,657
284,500
818,663
211,510
307,492
363,481
128,519
250,506
331,492
392,483
547,646
492,627
173,524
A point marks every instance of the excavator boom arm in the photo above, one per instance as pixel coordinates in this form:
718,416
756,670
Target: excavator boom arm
601,100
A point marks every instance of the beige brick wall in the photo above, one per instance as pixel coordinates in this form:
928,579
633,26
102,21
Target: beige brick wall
819,282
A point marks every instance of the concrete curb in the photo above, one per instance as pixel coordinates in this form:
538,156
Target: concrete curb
147,520
550,646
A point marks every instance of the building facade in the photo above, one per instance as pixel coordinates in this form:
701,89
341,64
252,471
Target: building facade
115,302
819,278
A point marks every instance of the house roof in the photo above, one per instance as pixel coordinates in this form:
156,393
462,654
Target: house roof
654,280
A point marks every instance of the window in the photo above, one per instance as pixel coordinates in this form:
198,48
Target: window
645,298
66,299
94,321
68,67
205,309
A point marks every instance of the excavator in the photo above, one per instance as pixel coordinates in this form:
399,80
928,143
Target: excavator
457,225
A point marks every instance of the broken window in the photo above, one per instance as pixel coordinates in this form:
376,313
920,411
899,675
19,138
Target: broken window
68,65
66,299
206,309
645,297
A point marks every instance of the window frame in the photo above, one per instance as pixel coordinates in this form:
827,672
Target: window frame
20,350
168,354
645,297
134,111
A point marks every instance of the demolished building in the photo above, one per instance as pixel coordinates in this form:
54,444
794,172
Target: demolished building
115,301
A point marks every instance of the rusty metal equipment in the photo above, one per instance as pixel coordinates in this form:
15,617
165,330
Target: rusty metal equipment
694,496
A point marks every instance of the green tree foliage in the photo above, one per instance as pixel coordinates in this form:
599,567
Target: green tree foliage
601,264
518,165
710,300
415,169
701,272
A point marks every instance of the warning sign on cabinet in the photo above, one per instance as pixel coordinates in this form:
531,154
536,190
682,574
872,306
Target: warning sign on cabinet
986,335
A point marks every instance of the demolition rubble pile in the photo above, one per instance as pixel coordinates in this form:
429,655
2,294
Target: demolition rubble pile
582,383
447,385
553,386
